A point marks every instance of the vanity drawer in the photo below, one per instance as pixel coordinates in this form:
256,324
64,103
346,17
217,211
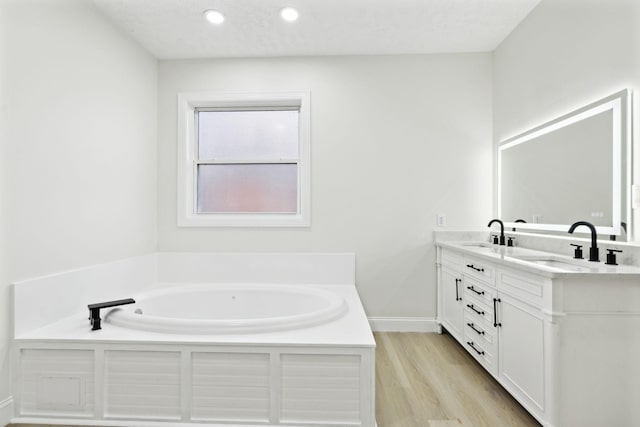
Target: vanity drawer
478,312
483,353
451,258
478,301
479,269
526,287
477,290
483,333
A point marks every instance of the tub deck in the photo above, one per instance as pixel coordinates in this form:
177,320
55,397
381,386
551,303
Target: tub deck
351,329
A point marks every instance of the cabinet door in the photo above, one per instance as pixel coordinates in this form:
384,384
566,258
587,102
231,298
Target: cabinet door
452,306
521,351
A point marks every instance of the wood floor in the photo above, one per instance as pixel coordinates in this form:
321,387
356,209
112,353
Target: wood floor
428,380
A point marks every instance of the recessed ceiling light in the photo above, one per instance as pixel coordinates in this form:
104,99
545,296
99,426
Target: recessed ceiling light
214,16
289,14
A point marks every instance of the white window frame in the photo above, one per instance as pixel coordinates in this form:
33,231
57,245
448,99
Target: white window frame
188,103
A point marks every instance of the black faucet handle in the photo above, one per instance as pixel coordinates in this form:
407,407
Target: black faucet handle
611,256
510,240
577,254
495,239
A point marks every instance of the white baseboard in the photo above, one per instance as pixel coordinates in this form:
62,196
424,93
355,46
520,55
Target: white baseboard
6,411
404,324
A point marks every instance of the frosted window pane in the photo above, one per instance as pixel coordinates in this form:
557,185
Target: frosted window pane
229,135
256,188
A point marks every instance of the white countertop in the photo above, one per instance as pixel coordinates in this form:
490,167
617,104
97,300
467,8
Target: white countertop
542,263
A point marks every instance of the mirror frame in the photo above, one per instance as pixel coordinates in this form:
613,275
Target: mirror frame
620,105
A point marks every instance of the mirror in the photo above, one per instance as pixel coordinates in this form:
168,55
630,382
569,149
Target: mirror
573,168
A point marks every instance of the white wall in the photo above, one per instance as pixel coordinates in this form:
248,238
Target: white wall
79,158
4,289
395,140
564,55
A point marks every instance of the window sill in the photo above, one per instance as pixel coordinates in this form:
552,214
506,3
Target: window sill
244,220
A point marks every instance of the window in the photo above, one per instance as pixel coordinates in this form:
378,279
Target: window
243,160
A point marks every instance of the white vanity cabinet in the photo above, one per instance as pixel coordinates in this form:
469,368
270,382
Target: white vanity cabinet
451,308
565,344
521,337
503,322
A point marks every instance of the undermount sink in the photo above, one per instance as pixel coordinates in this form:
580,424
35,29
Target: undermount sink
522,255
488,246
553,262
477,245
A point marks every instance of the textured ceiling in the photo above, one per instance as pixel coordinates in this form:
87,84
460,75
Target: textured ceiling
175,29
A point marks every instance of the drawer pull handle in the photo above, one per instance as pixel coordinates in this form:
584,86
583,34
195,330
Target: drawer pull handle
457,294
476,330
472,307
495,312
475,268
472,289
480,352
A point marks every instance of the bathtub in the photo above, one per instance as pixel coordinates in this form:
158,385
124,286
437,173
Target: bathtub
225,309
296,350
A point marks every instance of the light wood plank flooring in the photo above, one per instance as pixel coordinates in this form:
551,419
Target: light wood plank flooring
428,380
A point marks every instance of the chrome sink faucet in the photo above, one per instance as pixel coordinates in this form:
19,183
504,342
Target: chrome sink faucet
593,251
501,229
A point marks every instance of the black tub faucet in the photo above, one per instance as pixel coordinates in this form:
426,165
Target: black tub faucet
593,251
501,229
94,310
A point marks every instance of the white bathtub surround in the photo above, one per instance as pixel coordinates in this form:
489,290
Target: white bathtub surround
45,300
317,375
350,328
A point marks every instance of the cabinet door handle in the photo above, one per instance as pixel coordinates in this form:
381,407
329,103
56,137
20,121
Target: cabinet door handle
475,268
472,289
480,352
457,293
495,312
472,307
477,331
